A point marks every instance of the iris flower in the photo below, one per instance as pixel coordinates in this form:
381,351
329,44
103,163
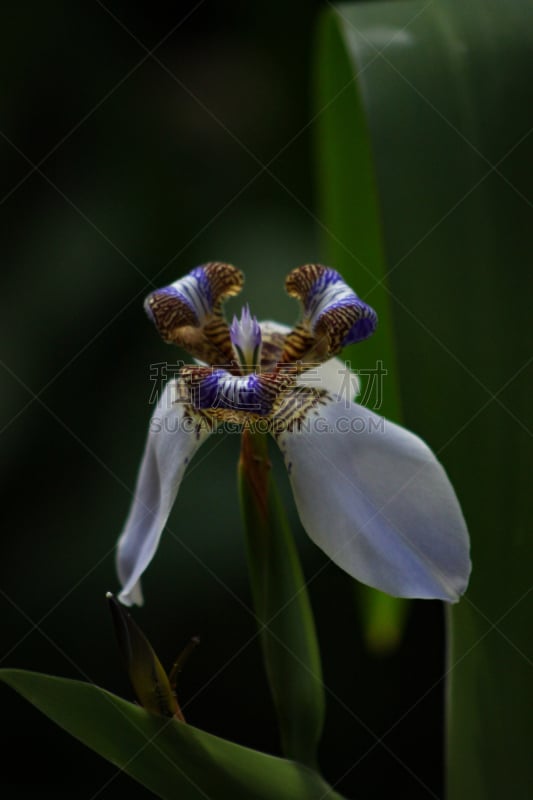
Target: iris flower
369,493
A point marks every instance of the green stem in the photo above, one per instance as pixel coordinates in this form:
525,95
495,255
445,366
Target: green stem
282,607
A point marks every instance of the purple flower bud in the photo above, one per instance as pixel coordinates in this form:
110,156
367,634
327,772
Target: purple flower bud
246,337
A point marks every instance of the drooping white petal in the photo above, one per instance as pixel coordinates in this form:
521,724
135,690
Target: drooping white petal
374,497
175,434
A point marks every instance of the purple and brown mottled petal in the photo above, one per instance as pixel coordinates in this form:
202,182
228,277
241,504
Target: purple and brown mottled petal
188,313
334,315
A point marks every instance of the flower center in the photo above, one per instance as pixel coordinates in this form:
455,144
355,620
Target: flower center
246,339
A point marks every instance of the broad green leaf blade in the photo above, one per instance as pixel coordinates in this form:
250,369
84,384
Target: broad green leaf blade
444,95
282,607
353,243
172,759
353,238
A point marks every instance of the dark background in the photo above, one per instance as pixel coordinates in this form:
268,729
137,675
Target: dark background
120,172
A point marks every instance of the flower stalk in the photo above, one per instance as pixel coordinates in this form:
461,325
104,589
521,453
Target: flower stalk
282,607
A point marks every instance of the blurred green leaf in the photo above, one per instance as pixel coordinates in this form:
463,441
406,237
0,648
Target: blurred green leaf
170,758
282,607
353,241
442,92
384,619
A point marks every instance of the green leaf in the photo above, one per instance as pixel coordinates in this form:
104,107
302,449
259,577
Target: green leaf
353,236
172,759
282,607
384,619
441,121
353,242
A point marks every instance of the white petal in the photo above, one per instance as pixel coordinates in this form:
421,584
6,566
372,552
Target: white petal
335,376
376,500
173,439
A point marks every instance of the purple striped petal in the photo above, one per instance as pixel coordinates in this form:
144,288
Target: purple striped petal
334,316
188,312
218,389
